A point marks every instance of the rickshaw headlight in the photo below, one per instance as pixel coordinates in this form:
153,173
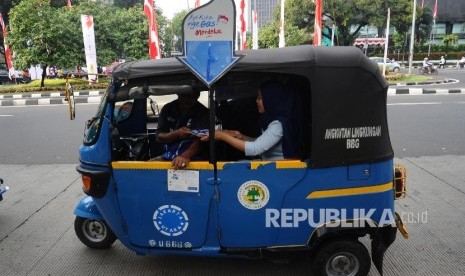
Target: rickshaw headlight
400,181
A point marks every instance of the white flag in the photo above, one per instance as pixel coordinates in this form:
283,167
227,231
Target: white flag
87,22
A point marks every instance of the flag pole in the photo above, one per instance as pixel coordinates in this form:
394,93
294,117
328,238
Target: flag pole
386,45
412,37
282,41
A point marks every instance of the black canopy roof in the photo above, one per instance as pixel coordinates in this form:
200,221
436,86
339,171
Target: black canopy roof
344,103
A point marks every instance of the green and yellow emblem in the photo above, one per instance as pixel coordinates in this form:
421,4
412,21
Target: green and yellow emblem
253,195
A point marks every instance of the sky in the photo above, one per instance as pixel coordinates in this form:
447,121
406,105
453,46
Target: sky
170,7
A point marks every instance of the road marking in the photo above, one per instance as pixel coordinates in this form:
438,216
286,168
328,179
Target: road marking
432,103
6,115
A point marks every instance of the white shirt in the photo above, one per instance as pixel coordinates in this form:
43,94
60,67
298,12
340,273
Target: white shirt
269,144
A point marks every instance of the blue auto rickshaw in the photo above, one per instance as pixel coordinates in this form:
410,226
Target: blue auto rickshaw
342,187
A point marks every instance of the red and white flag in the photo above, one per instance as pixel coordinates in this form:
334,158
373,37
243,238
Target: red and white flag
282,40
197,3
435,11
243,30
318,23
154,45
8,60
68,3
254,30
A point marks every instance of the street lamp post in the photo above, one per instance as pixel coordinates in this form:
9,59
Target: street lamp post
412,37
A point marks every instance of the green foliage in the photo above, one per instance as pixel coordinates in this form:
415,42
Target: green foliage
127,3
53,36
268,36
450,39
176,29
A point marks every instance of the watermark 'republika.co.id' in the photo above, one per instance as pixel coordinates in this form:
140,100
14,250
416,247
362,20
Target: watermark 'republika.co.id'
294,217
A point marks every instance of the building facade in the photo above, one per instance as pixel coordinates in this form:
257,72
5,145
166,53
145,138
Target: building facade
450,19
264,8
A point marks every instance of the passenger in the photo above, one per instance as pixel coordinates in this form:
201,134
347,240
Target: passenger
279,138
175,123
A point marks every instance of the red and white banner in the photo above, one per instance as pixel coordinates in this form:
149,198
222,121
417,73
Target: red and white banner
243,24
8,60
68,3
318,23
254,30
370,41
197,3
88,34
154,45
435,11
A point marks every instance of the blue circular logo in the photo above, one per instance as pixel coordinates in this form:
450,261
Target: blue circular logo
170,220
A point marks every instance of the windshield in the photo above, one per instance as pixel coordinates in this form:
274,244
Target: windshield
93,125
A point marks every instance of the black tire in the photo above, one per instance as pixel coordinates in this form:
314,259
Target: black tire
341,257
94,233
396,69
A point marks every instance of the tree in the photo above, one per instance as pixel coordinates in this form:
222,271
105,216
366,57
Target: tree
450,39
176,29
268,36
127,3
53,36
34,34
349,16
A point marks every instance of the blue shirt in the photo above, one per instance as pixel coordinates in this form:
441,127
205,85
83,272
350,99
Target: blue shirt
269,144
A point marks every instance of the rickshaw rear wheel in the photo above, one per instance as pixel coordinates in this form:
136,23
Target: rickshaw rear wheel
94,233
341,257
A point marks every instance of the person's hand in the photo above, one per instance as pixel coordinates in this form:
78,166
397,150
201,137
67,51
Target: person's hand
180,162
183,133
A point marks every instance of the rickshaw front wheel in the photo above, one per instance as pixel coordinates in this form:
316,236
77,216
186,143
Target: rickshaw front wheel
94,233
346,257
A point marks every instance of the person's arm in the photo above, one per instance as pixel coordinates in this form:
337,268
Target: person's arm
169,137
239,135
268,139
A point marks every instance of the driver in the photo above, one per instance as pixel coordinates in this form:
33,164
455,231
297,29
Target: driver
175,123
427,65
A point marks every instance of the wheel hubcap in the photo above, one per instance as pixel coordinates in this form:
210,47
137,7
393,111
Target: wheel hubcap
94,230
342,264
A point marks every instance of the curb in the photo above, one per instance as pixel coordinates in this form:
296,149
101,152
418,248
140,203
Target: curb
51,95
421,91
50,98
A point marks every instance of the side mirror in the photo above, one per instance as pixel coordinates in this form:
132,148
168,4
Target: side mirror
70,100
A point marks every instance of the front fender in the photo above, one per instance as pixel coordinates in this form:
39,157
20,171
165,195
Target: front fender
86,208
